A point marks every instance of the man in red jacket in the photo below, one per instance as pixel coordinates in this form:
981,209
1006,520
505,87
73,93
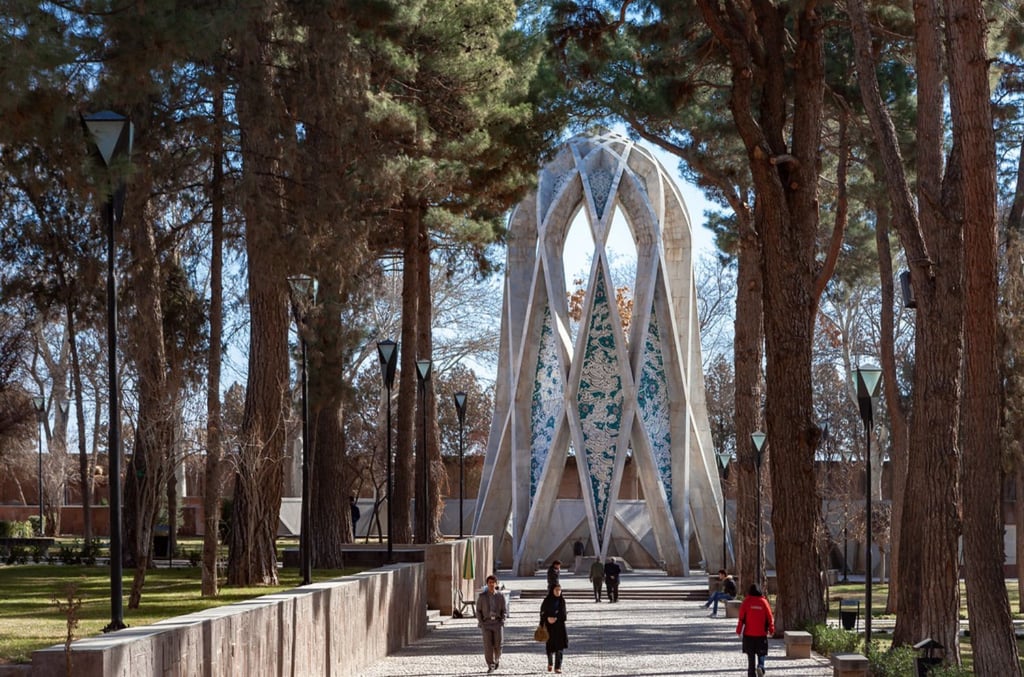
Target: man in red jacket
755,625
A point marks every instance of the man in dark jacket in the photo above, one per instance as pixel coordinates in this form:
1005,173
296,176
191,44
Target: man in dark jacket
490,617
611,579
726,591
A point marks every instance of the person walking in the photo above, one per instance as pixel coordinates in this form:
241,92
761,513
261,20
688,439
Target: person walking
491,613
611,579
755,625
726,591
353,506
554,571
597,578
552,616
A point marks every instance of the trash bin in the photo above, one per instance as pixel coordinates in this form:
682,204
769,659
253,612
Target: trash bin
849,612
929,647
161,541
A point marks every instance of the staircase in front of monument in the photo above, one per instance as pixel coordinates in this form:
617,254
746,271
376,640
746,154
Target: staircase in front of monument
627,592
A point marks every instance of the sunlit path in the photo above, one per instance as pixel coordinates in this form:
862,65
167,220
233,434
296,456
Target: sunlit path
667,636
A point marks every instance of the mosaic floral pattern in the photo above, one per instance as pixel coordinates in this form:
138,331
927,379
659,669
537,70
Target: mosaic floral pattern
600,401
546,406
600,187
652,400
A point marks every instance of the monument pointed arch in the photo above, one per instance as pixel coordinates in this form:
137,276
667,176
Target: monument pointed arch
615,393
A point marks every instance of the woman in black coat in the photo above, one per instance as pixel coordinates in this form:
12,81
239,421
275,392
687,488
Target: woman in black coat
552,615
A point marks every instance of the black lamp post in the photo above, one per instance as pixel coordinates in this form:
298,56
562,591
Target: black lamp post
847,457
423,374
112,135
387,351
723,473
758,438
303,296
39,404
460,409
868,380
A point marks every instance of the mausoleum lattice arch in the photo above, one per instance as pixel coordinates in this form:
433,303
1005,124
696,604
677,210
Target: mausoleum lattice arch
605,395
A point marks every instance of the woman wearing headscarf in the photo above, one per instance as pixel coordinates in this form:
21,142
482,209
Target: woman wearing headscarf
756,624
552,616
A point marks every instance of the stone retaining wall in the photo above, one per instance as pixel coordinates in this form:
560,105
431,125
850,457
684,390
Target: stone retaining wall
333,627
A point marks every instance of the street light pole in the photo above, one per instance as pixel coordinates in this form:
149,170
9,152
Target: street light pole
758,439
423,373
112,134
868,380
39,403
723,473
303,295
460,409
387,351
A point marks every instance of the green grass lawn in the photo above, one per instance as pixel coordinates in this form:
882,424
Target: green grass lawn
30,619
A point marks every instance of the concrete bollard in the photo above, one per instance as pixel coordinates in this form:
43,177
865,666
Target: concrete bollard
798,643
732,608
849,665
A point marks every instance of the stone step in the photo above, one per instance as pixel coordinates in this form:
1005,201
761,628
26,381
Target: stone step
624,594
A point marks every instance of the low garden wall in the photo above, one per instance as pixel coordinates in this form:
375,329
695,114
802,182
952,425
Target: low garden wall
335,627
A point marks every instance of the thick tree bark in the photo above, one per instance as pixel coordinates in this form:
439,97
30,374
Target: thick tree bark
898,437
259,477
747,352
773,99
929,596
992,636
329,508
404,469
434,485
214,470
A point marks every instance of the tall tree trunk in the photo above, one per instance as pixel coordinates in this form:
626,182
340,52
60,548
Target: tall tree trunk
435,483
992,636
259,477
152,459
329,506
772,100
747,352
404,470
1013,349
895,407
929,593
84,468
214,470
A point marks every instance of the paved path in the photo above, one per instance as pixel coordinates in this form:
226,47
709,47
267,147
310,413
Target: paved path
631,637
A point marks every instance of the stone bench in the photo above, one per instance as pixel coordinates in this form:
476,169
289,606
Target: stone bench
849,665
732,608
798,643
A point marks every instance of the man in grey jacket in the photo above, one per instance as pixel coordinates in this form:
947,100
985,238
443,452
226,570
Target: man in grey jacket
490,616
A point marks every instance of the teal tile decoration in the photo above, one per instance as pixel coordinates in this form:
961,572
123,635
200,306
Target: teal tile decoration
600,187
599,401
546,405
653,404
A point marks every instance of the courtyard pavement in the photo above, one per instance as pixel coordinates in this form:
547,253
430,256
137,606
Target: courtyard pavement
670,636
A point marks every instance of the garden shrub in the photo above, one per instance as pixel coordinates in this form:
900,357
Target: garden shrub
5,529
22,529
69,553
90,551
896,662
828,640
